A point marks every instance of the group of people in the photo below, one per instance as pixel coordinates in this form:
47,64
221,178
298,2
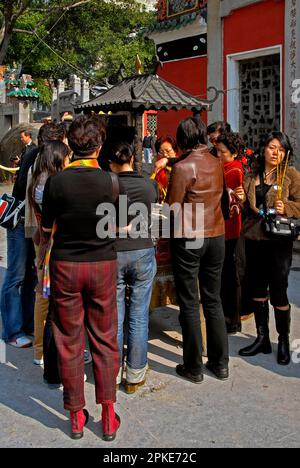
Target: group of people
100,286
253,263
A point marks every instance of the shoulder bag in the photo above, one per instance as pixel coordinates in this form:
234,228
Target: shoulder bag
279,226
10,211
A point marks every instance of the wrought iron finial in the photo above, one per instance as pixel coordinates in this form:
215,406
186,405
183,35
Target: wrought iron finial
217,92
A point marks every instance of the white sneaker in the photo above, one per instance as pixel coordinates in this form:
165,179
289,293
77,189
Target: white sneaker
21,342
87,356
85,378
38,362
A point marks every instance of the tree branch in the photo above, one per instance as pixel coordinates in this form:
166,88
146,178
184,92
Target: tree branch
26,31
63,7
24,4
22,8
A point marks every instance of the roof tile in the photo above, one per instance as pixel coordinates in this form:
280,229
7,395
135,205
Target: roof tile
146,92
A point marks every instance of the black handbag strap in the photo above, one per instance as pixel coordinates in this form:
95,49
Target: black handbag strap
115,186
262,183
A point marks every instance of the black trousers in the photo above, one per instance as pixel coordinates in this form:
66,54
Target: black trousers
51,372
269,263
231,285
28,290
194,269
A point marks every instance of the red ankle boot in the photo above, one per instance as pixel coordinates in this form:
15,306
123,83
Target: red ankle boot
78,420
110,421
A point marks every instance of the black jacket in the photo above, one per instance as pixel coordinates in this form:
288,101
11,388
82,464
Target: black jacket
28,158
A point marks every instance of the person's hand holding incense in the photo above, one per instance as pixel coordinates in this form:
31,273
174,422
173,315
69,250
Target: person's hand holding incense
280,208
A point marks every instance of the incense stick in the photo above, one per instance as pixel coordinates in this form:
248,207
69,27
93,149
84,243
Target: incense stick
282,176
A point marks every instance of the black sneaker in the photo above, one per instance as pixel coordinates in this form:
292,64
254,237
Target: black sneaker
183,372
221,373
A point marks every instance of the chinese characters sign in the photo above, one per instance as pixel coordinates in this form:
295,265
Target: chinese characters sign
293,127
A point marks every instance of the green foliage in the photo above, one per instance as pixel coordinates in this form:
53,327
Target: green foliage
95,38
44,90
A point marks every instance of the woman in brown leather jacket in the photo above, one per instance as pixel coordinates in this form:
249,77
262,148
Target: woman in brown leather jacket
269,258
197,182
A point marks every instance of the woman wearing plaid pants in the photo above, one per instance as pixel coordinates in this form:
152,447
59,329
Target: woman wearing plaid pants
83,272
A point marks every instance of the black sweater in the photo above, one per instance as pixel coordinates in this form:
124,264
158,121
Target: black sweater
139,190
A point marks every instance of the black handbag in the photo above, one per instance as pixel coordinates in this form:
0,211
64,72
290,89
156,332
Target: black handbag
278,225
10,211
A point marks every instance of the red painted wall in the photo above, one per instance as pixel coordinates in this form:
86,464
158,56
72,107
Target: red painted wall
253,27
189,75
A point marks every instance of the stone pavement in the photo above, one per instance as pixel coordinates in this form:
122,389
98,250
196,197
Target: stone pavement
259,406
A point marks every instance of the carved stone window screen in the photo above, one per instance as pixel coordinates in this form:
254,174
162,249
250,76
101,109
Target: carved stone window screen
260,100
152,123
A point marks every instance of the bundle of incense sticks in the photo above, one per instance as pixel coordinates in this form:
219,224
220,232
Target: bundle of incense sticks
281,173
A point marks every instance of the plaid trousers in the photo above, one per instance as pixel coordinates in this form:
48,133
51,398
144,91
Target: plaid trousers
84,297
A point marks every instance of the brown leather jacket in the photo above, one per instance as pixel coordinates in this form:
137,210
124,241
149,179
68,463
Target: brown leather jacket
199,178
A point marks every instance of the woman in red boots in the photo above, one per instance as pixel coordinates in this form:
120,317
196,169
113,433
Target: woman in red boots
83,273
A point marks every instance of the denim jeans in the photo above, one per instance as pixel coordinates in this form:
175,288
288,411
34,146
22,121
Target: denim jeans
11,295
194,269
148,155
136,269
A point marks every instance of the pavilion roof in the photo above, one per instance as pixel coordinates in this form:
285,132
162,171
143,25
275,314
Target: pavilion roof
144,92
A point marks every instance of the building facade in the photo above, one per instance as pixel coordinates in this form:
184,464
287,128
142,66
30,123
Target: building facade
180,36
244,53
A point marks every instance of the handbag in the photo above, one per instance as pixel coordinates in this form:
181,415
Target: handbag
10,211
279,226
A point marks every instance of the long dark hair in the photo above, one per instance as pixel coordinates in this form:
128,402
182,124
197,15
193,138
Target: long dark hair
51,132
49,161
284,142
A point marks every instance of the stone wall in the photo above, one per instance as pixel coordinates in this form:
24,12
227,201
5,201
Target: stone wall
64,100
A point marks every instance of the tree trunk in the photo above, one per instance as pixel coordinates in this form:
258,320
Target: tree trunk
10,16
4,46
